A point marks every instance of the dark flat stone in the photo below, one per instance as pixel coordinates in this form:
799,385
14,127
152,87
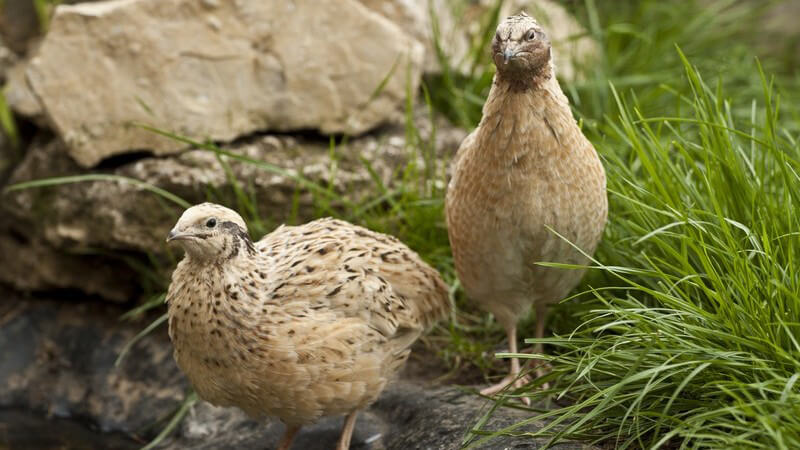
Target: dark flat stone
58,362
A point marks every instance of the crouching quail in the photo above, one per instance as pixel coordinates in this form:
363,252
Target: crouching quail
310,321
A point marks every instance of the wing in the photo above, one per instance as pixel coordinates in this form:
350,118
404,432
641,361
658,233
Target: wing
466,146
342,271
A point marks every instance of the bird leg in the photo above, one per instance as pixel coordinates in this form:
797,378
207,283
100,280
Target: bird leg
538,364
541,313
347,431
513,375
288,437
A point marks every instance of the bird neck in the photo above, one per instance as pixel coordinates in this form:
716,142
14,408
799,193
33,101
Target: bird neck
531,80
510,97
517,122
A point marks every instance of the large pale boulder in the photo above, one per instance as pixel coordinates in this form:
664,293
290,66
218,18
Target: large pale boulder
573,48
420,18
217,69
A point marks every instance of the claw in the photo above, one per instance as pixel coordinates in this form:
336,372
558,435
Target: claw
510,380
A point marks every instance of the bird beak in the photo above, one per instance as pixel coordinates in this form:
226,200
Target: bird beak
176,235
508,53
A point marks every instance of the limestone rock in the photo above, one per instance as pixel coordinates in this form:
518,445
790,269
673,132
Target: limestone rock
30,265
217,70
119,216
573,50
19,95
419,17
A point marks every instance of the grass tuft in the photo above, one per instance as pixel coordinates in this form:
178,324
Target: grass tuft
692,337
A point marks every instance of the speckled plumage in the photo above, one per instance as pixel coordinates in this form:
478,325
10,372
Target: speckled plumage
310,321
526,167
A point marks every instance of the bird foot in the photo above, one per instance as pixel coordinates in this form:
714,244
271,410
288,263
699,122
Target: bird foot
511,380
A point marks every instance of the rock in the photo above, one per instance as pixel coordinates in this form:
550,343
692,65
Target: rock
59,361
217,70
118,216
415,16
408,415
7,60
26,430
19,23
30,265
19,96
573,49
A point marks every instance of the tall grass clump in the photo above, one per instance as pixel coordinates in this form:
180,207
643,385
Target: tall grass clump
691,338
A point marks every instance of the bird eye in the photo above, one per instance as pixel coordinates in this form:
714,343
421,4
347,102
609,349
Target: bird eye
211,223
530,35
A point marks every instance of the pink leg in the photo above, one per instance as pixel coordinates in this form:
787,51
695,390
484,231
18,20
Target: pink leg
288,437
347,431
513,376
541,314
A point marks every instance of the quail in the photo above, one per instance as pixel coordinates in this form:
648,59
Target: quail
310,321
524,176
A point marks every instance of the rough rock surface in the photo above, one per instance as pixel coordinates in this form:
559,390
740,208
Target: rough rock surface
7,60
407,416
32,265
18,23
119,216
58,360
415,17
59,357
19,95
573,49
217,70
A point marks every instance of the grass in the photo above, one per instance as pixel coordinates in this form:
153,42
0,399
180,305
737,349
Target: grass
685,333
691,337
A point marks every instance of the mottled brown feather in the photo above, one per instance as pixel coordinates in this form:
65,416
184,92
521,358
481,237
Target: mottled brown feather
313,322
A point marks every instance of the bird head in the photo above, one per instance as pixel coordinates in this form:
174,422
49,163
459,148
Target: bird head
520,48
210,232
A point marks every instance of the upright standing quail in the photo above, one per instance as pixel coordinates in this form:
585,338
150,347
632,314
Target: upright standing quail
310,321
526,168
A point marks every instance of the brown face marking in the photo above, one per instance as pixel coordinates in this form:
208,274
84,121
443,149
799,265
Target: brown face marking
521,52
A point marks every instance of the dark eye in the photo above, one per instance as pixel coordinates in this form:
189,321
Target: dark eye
530,35
211,223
